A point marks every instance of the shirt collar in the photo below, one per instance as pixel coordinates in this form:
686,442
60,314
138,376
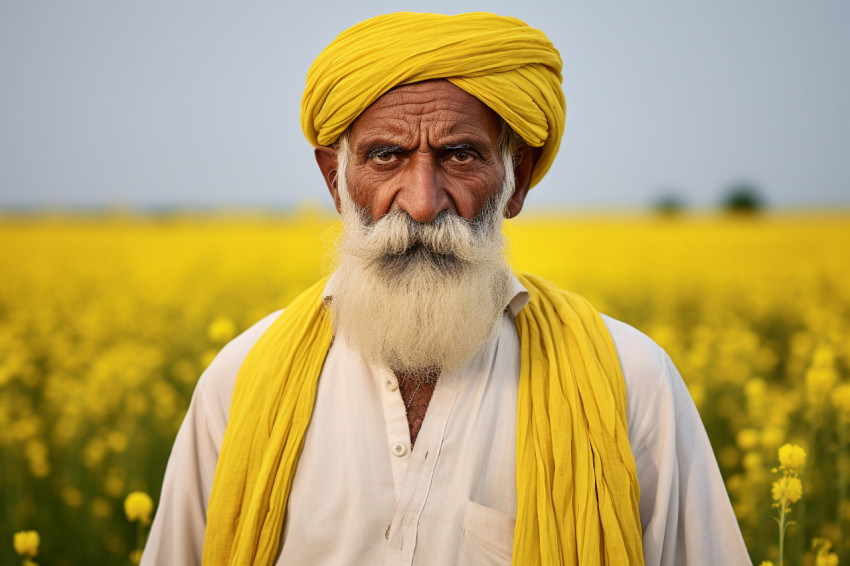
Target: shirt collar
516,297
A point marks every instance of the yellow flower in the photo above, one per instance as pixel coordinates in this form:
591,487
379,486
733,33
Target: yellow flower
824,557
135,556
794,491
101,507
117,441
821,376
751,461
772,437
138,507
26,543
766,563
788,489
747,439
72,496
841,399
792,457
221,330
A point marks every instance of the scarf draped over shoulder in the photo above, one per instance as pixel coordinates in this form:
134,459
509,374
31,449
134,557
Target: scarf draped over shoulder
577,490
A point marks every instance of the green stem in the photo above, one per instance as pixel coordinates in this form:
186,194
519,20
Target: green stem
140,536
782,526
842,475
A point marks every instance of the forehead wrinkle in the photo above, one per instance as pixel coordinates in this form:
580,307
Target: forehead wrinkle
435,133
423,115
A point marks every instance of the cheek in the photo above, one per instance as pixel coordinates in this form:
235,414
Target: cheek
364,187
472,192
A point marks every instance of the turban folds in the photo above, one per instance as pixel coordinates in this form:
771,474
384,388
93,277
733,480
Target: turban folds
511,67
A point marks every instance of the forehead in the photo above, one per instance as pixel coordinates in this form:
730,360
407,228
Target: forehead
439,107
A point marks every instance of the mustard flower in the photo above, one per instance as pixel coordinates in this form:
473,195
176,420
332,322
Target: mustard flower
787,488
772,436
821,376
747,439
792,457
824,556
138,506
841,399
26,543
751,461
101,507
826,559
221,330
766,563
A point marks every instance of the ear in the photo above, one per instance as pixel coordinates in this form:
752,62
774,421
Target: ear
528,157
326,158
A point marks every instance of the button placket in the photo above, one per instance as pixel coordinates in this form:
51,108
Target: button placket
420,471
399,449
395,420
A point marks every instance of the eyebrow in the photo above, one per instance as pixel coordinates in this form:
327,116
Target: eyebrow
454,146
377,150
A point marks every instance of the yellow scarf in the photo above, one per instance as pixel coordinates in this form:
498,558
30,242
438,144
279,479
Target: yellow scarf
577,490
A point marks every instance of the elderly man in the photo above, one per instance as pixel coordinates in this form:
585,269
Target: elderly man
425,405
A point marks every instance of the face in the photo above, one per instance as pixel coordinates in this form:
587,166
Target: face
422,192
425,148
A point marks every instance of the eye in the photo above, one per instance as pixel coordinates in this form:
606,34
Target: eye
461,156
385,157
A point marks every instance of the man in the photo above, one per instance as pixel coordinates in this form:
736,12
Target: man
426,405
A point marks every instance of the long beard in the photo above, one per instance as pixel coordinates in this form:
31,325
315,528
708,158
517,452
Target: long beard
420,297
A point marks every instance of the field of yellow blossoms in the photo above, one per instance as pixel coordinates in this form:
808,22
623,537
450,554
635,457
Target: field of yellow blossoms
107,322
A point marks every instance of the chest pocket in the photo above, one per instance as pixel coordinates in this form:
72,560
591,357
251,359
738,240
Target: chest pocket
488,537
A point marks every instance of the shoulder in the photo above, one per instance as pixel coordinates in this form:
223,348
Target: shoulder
652,382
642,360
215,387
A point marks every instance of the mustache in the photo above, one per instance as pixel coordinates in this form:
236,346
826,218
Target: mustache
447,234
447,244
397,264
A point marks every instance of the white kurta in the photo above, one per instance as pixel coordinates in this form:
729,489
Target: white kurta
361,495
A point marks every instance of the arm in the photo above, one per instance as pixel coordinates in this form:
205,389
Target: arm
685,512
177,534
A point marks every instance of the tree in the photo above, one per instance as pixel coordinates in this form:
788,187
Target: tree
669,203
743,198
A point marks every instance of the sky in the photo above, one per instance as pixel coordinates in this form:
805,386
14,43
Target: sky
196,104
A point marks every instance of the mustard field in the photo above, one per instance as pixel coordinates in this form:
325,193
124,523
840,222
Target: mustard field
107,322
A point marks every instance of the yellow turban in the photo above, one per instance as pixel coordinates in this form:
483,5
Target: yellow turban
511,67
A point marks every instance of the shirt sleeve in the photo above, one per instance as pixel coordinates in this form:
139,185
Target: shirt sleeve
685,511
177,533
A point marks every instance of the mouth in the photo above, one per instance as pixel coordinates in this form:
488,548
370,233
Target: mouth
418,254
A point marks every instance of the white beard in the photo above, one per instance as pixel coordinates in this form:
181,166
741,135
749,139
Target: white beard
420,298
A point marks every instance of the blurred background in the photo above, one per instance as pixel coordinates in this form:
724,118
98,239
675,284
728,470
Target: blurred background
157,198
196,104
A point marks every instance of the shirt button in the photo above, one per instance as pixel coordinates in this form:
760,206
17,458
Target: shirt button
399,449
391,383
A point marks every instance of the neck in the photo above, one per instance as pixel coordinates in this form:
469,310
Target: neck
416,388
418,375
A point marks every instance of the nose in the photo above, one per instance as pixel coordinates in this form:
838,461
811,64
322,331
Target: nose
422,194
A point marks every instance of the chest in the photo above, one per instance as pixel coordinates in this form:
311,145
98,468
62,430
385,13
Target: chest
363,493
